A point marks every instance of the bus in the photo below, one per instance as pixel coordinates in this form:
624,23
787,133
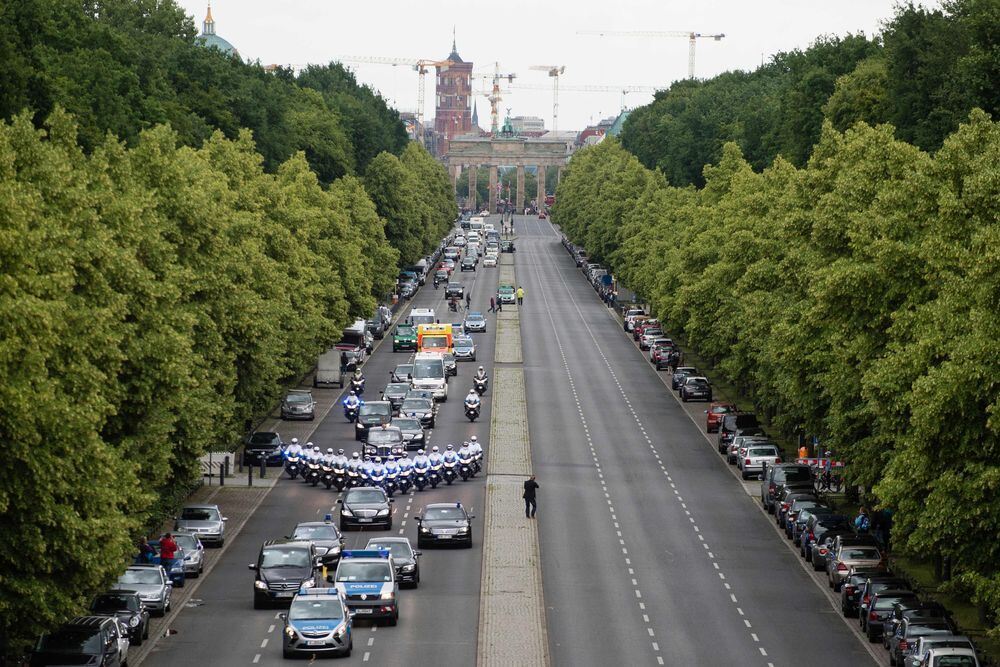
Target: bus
434,338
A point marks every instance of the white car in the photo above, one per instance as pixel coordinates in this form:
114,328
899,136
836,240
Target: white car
490,260
752,465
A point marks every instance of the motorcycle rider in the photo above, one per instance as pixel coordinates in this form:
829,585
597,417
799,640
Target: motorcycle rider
472,400
294,449
420,462
449,455
435,457
354,463
340,460
378,468
475,448
366,468
405,463
391,467
330,459
464,453
359,379
481,374
352,401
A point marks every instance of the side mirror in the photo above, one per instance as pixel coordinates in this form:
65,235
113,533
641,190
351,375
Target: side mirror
252,566
283,617
417,519
472,516
392,500
225,518
340,500
418,554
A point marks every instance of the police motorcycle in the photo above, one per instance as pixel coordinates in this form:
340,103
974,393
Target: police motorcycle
477,455
312,470
352,404
391,477
480,381
353,472
472,406
377,475
326,469
340,478
293,459
405,474
449,464
435,475
421,471
465,469
358,383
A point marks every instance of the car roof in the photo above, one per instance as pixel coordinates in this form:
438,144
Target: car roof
118,591
474,313
200,506
144,566
385,540
437,505
315,523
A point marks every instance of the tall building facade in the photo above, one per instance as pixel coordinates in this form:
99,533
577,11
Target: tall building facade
453,100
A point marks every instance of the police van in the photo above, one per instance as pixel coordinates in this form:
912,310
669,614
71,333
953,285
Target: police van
367,580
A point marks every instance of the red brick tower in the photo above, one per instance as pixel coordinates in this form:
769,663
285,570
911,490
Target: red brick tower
453,106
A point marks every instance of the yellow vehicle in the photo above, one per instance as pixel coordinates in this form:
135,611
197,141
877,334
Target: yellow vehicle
434,338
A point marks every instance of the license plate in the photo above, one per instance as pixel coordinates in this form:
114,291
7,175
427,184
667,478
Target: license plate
363,610
365,520
315,642
444,537
284,594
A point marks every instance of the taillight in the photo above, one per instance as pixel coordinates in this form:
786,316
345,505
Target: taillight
771,487
785,506
904,645
872,615
842,568
777,460
866,599
847,587
822,551
747,462
812,536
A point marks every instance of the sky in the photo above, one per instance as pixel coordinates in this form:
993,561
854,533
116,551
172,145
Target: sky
521,33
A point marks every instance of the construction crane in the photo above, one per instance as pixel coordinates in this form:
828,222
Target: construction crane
624,90
420,65
495,96
692,38
555,71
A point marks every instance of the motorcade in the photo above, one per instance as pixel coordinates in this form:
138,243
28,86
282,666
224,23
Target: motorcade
420,408
450,364
318,623
127,607
370,414
85,640
298,404
385,441
151,584
365,506
429,373
475,321
324,536
404,338
411,430
401,373
266,445
405,559
444,524
395,392
434,338
203,520
282,568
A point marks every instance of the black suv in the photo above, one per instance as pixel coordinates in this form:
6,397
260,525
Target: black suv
456,290
732,423
126,606
263,444
778,476
282,567
372,413
86,640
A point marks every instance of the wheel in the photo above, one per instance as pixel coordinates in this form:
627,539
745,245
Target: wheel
684,398
743,474
221,543
393,620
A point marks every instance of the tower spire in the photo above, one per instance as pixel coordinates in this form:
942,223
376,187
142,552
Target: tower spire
208,27
454,48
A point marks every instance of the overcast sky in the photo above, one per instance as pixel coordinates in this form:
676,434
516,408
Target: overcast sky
519,33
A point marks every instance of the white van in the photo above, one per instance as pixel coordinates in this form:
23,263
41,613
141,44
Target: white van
429,374
420,316
328,369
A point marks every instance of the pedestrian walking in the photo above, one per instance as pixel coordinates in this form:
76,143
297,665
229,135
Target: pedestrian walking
493,304
530,503
468,300
520,295
499,306
146,551
862,522
168,551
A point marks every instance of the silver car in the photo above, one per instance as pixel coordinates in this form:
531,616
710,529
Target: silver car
465,349
152,585
194,553
752,464
205,521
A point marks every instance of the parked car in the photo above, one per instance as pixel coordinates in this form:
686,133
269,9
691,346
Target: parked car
943,643
904,643
878,610
265,445
85,640
298,404
949,657
696,387
152,585
127,607
778,475
851,588
788,505
205,521
716,411
757,458
847,557
680,374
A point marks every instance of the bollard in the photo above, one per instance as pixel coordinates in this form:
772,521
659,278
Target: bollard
249,475
226,463
222,475
263,467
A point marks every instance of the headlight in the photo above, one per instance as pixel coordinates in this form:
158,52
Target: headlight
289,632
409,568
260,584
346,512
333,550
308,583
424,529
321,551
341,631
418,436
134,621
463,530
388,596
383,512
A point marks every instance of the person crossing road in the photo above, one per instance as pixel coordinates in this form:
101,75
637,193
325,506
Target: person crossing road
530,503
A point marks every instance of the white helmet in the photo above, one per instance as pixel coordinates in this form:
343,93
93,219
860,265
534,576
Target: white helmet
329,450
480,368
434,448
404,454
451,447
378,459
420,452
355,455
473,438
295,441
352,393
340,452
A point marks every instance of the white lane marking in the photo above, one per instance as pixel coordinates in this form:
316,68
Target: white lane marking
270,629
256,659
263,644
367,656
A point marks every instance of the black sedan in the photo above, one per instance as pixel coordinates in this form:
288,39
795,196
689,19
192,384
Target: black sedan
444,524
456,290
394,392
696,388
677,379
419,408
404,558
325,538
126,606
365,506
468,264
263,445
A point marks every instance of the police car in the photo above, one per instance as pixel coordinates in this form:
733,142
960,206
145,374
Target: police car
367,580
318,622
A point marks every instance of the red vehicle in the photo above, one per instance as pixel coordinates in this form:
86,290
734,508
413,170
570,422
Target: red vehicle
640,327
715,413
660,349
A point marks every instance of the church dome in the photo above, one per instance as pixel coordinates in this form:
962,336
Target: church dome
208,38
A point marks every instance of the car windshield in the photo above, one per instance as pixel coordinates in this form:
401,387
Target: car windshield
925,630
405,330
262,438
306,608
364,496
764,451
399,550
297,398
74,640
434,341
721,409
199,514
428,369
186,542
378,436
652,332
403,370
406,423
319,532
349,571
697,382
883,604
375,409
146,576
111,603
855,553
954,661
475,315
439,513
798,475
297,557
416,405
397,388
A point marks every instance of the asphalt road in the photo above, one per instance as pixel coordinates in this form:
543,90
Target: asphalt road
651,554
438,621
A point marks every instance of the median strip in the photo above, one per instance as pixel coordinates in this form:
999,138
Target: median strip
512,608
